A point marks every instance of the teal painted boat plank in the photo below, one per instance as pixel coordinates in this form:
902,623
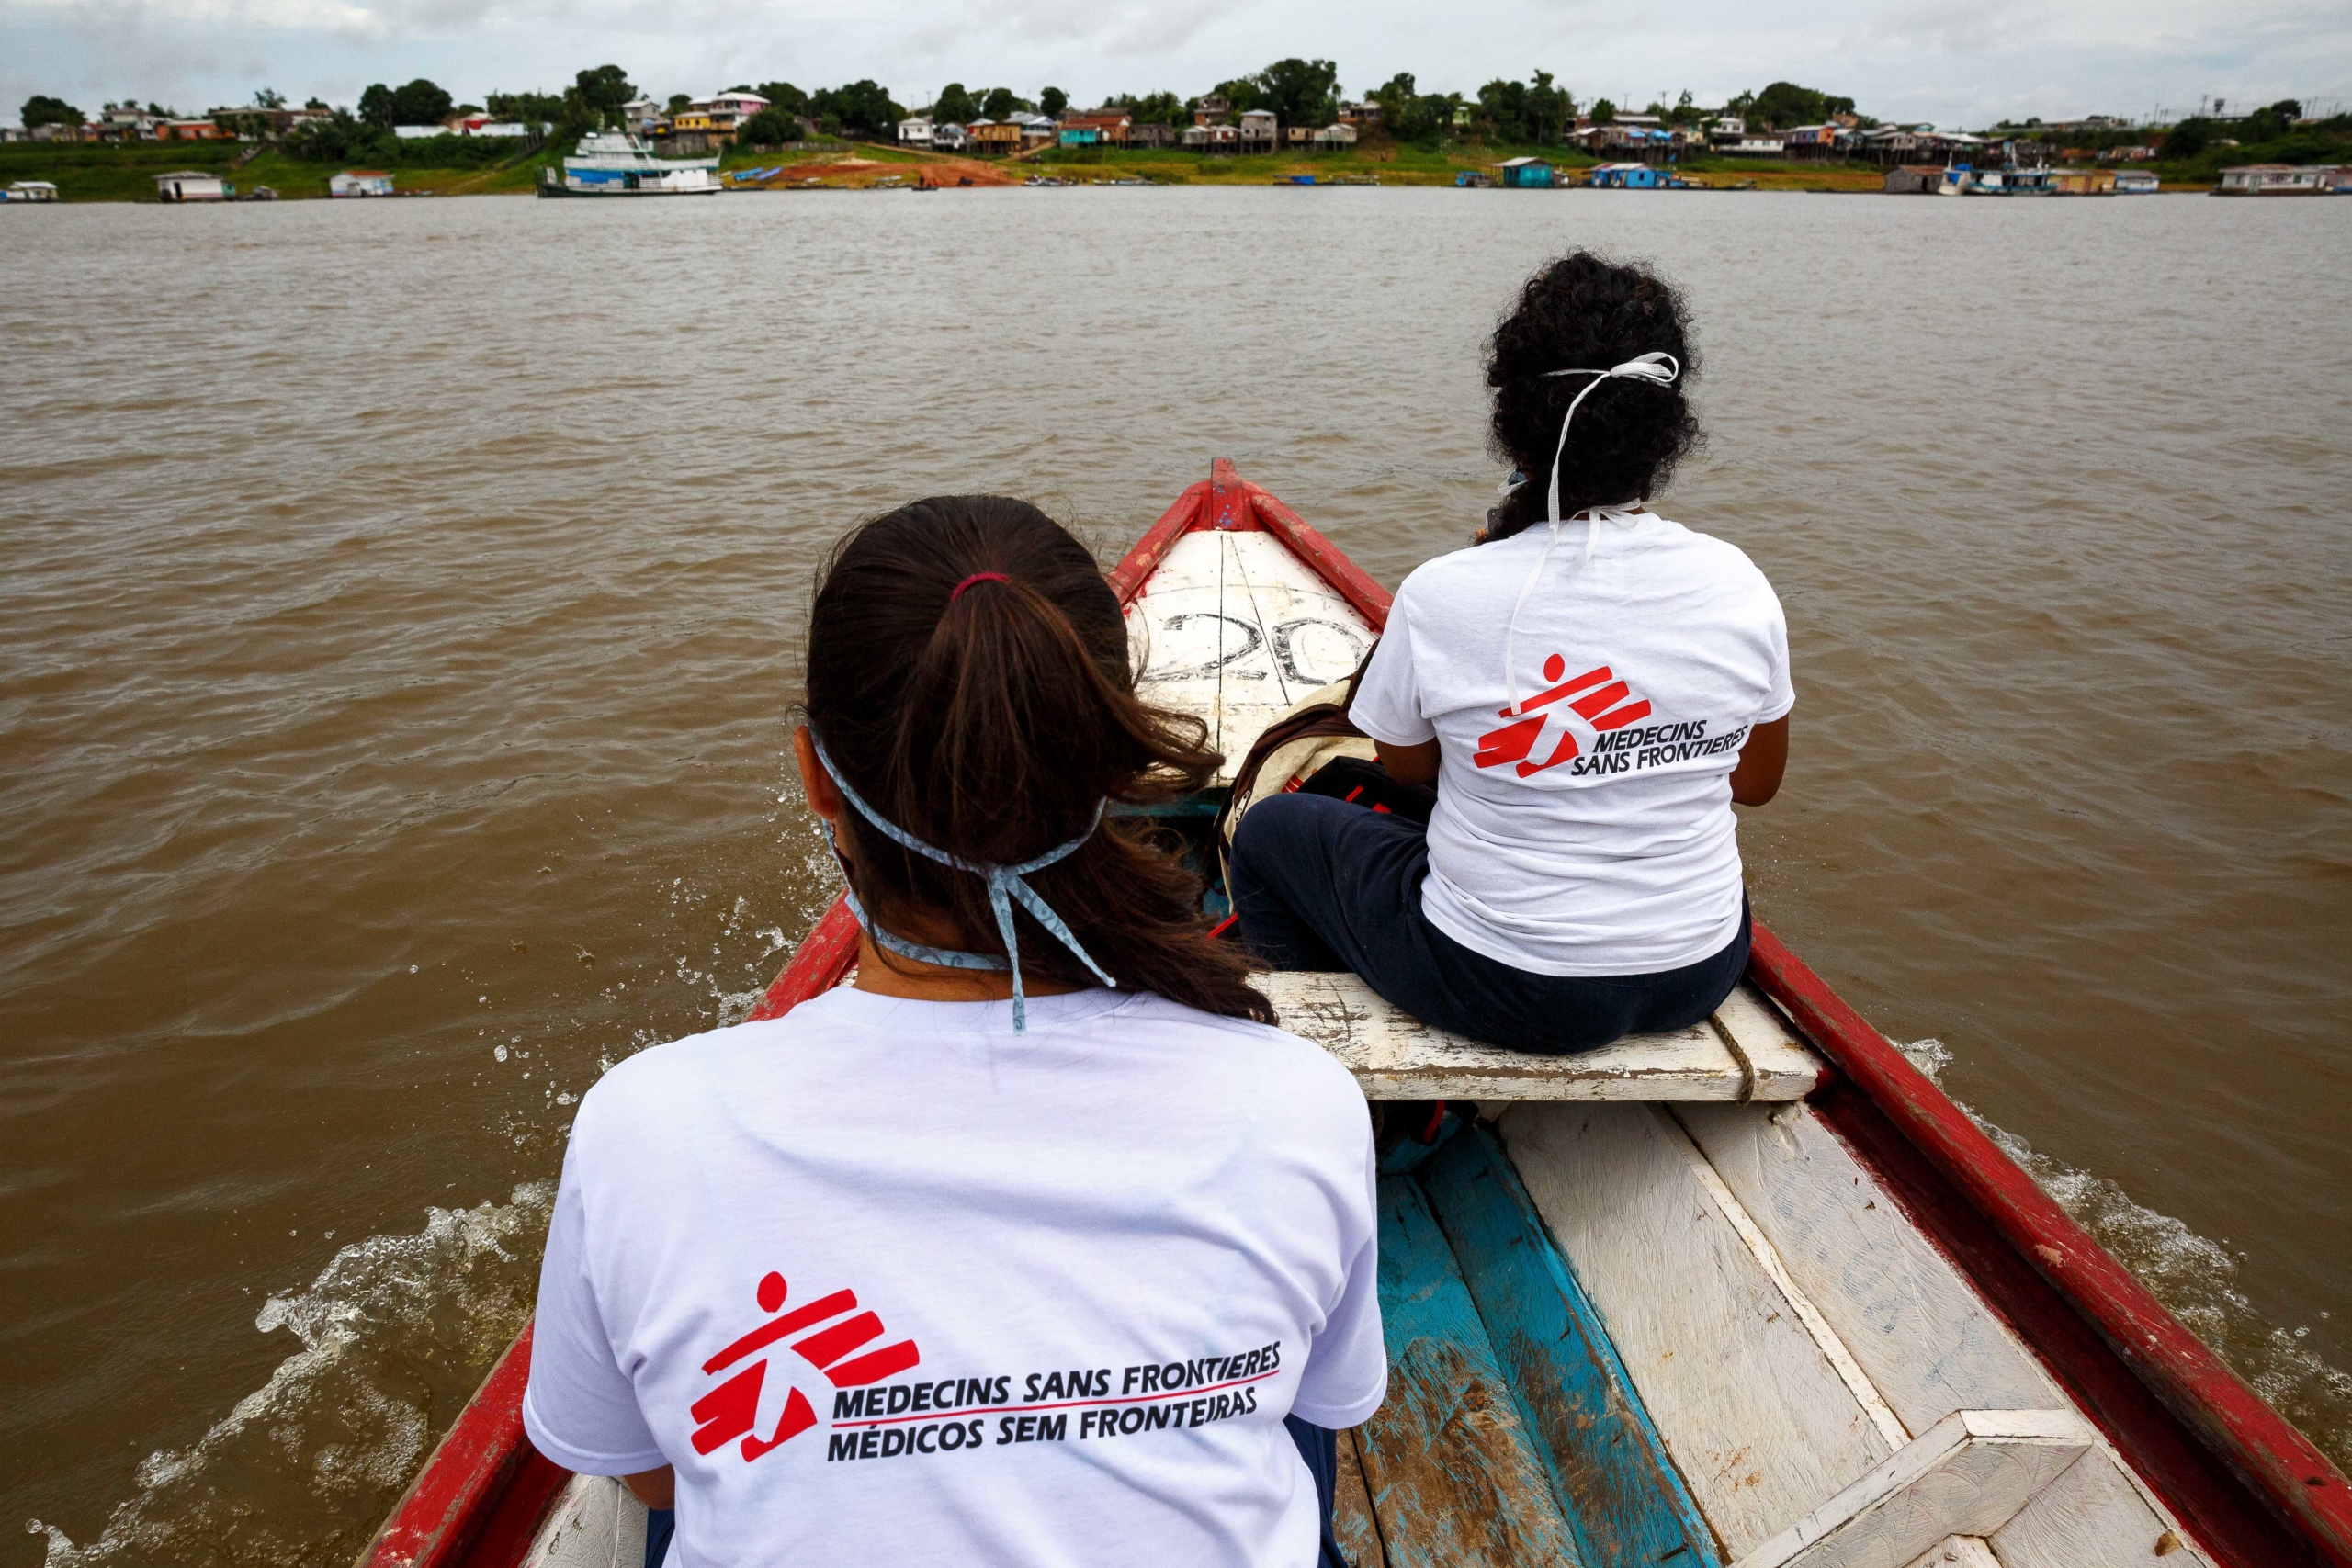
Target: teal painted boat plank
1602,1455
1450,1467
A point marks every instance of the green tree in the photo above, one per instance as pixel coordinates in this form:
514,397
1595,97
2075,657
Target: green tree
1500,103
376,105
603,90
1242,93
1784,103
43,109
1684,111
999,103
268,98
862,107
1052,102
1154,108
786,96
1547,111
1603,112
2274,121
2190,138
420,103
956,105
769,128
1300,91
678,102
1402,113
562,109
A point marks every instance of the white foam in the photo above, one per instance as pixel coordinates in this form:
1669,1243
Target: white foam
346,1419
2195,1277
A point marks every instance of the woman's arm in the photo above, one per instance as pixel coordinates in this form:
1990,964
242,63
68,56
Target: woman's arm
1762,760
1409,764
655,1488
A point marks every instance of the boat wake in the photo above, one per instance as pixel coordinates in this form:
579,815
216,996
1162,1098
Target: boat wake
2194,1276
394,1332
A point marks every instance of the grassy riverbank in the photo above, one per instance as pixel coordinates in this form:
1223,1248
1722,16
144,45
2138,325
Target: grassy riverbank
126,171
117,171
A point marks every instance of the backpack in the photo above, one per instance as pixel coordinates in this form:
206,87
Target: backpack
1317,748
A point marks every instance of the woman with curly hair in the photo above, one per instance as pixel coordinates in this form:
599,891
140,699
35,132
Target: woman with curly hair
1590,685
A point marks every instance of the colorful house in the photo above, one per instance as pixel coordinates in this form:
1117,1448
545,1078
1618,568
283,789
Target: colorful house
1525,173
360,182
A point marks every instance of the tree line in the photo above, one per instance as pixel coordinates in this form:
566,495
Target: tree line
1299,92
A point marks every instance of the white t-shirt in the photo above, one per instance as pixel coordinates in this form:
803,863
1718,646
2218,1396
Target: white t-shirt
888,1282
1589,830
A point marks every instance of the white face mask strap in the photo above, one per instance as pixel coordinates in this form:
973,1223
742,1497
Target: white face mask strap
1659,368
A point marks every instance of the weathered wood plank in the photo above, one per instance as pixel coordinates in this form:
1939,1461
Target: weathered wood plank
1622,1496
1235,628
1968,1475
1449,1463
593,1524
1783,1066
1958,1551
1756,1418
1923,1335
1353,1522
2094,1516
1397,1056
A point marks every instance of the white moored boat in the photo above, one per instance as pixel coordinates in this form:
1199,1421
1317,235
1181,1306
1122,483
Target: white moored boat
617,164
1752,1295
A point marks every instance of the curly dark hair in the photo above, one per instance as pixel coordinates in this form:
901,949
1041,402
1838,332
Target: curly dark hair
1584,311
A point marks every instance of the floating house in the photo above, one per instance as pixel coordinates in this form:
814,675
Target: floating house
360,182
1631,176
2135,181
1525,173
29,190
193,184
1914,179
2278,179
1472,179
2084,182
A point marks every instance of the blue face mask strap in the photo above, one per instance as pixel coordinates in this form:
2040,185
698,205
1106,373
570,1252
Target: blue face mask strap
1005,884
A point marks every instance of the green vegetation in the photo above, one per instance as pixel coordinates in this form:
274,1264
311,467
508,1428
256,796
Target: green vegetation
126,171
42,109
2197,151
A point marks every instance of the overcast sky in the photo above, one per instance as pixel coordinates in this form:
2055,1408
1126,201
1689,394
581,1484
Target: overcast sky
1928,60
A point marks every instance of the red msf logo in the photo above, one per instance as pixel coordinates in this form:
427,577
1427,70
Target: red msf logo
1592,696
733,1409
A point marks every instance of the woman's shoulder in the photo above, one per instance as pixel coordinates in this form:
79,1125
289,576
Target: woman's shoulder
1271,1058
1712,553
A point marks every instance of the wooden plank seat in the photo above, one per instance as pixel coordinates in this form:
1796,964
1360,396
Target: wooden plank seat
1745,1053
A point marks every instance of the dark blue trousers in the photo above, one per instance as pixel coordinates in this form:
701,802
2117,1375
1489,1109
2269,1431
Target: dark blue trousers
1319,884
1318,1446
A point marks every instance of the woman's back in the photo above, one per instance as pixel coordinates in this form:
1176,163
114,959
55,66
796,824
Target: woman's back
1026,1245
1584,821
898,1284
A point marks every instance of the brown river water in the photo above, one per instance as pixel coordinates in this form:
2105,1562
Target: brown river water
399,614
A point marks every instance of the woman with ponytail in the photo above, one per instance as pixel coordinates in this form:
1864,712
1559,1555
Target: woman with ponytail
1036,1243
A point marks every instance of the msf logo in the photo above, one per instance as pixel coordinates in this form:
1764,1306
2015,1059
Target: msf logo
1594,697
733,1409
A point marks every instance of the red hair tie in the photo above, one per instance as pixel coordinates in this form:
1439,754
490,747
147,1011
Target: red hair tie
977,577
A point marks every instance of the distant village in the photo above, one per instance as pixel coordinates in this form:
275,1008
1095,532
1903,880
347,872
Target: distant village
1293,106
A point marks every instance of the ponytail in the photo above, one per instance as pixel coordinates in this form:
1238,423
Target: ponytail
969,676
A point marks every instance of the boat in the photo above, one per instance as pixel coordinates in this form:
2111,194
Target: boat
616,162
1755,1295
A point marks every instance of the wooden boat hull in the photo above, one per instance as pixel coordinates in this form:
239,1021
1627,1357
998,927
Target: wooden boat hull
1783,1304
